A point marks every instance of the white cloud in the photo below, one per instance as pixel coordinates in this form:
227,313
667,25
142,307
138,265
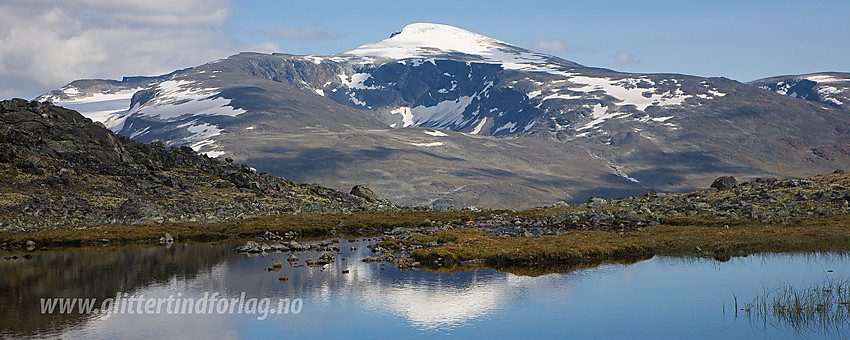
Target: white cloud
624,58
45,44
299,33
552,46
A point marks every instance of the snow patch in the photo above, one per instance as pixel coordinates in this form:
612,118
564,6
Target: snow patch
600,114
355,100
823,79
443,114
77,97
559,96
435,133
406,115
314,59
427,144
176,98
716,93
628,93
834,101
355,81
201,140
480,125
109,108
140,132
511,126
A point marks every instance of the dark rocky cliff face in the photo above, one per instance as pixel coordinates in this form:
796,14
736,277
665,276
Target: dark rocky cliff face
57,167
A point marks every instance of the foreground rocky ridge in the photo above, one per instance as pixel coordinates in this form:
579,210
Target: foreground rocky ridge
59,168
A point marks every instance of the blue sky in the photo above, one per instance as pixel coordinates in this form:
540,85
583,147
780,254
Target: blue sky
742,40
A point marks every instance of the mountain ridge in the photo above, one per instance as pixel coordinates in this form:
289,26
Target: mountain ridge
411,128
830,88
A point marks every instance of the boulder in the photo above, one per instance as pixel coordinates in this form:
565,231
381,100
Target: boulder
65,176
295,246
364,192
166,239
268,235
595,200
724,183
249,247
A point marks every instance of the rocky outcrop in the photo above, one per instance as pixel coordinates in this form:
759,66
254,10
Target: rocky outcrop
769,201
724,183
364,192
58,168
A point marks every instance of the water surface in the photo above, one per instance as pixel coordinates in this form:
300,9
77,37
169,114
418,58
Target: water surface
663,297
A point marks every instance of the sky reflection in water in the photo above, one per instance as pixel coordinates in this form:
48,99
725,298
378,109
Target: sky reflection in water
661,297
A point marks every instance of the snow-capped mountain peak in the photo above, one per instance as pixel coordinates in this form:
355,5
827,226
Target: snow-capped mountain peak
422,40
429,41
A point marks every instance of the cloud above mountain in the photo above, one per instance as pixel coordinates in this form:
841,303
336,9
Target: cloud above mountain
557,47
552,46
50,43
625,58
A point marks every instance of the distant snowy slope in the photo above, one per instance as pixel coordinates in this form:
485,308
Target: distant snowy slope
832,88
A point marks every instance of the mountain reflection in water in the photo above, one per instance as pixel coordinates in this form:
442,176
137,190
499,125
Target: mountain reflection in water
660,297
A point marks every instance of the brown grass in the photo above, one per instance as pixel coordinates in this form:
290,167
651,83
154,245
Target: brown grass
303,224
707,237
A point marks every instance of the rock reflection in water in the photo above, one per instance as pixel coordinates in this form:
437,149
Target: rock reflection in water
96,273
661,297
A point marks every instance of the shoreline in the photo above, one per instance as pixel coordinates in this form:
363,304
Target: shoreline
460,248
729,219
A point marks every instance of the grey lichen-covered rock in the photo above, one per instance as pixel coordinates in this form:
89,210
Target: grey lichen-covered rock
249,247
595,200
364,192
724,183
295,246
136,209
